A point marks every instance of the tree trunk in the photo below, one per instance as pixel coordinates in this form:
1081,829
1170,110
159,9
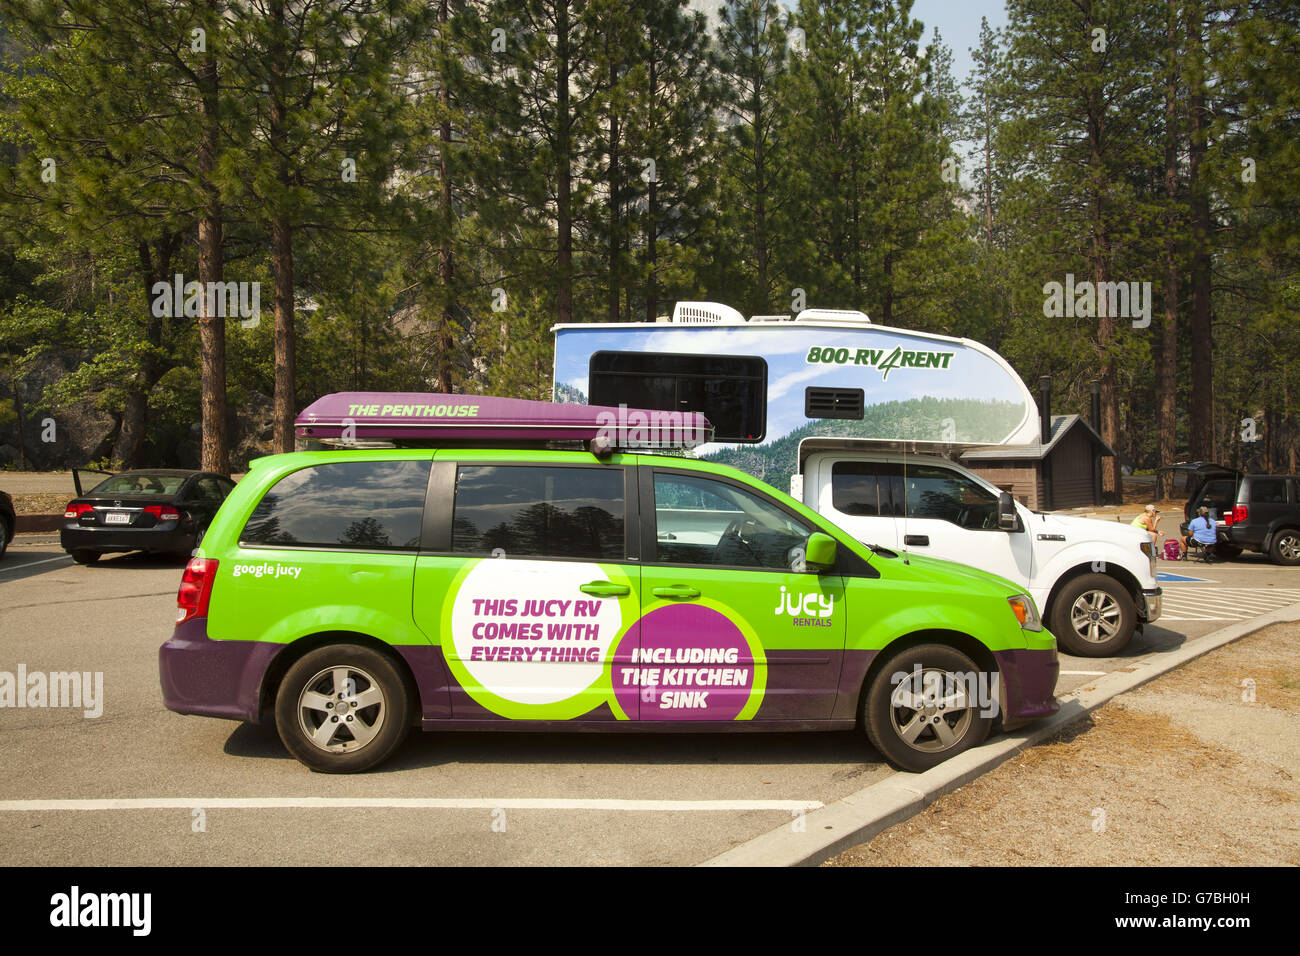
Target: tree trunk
1167,363
1202,396
564,174
446,252
285,336
215,454
283,404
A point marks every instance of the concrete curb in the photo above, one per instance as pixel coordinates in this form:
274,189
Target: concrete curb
860,816
33,524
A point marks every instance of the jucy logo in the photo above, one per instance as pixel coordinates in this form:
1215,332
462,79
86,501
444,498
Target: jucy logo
879,358
804,605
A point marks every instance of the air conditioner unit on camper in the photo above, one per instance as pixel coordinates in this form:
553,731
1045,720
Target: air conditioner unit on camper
833,315
706,313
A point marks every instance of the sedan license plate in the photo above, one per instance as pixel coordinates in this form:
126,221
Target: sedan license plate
117,517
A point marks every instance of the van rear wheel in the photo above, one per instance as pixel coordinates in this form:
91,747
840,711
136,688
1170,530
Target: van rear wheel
343,708
924,706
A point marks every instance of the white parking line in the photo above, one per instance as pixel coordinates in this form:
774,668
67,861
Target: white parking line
403,803
1224,604
32,564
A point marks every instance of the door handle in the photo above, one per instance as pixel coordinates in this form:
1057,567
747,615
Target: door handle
676,591
916,539
603,588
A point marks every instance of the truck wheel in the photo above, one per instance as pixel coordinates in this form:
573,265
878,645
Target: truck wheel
1227,551
4,535
918,709
342,709
1093,616
1285,548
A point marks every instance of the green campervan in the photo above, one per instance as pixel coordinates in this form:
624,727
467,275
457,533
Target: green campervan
526,565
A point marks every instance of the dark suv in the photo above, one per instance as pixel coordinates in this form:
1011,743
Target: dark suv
1255,512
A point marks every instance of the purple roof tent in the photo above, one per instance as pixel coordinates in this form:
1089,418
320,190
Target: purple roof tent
427,416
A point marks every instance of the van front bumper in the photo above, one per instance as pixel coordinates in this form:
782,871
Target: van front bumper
1028,685
213,678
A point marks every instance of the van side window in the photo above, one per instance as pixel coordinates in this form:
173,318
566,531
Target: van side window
535,511
363,505
701,521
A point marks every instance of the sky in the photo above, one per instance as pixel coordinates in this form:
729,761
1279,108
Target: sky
958,22
959,26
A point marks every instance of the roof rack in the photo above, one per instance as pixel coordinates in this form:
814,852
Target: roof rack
368,419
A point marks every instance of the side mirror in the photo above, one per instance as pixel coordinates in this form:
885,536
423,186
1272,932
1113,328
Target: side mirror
819,552
1007,519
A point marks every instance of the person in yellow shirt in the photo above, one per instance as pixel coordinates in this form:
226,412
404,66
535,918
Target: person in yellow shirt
1148,521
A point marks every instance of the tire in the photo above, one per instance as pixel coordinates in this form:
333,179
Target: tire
1228,551
1285,547
4,535
83,556
316,681
1093,616
944,731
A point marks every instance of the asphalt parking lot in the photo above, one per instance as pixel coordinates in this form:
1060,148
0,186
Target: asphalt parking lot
138,784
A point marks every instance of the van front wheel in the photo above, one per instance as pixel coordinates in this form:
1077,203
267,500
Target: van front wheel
927,704
342,709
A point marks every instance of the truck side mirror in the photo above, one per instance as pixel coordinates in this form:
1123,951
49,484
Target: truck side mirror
1007,519
819,552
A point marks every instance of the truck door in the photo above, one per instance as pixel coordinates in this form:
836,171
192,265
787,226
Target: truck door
945,514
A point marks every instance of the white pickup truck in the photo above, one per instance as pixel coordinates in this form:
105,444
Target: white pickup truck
1094,580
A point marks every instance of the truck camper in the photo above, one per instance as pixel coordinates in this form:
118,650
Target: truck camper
862,422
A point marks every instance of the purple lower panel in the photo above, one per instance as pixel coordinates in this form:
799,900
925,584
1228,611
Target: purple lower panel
432,679
213,678
1029,685
592,724
801,685
854,672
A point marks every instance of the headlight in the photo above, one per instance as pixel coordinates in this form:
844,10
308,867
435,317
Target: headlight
1022,605
1149,549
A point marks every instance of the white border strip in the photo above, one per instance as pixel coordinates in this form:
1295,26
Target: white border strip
402,803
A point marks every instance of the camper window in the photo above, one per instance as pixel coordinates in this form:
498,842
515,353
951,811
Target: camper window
731,390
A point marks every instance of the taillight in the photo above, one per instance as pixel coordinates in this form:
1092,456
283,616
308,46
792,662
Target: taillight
163,512
1238,514
196,589
76,510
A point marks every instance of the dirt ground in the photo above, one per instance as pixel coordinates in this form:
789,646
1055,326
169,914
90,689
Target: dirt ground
1198,768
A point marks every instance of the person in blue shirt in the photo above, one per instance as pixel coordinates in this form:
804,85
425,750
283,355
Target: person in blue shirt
1204,530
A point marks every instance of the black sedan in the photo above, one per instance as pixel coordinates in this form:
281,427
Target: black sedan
162,511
